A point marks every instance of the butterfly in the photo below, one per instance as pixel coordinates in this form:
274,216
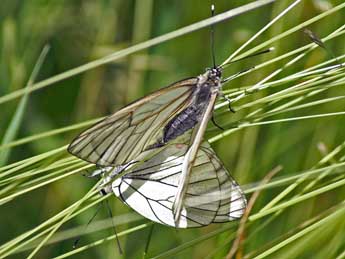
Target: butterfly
212,196
141,127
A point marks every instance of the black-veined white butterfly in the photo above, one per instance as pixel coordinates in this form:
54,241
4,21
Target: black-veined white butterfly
138,129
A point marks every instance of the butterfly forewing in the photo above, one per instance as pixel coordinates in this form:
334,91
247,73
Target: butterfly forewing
212,195
121,137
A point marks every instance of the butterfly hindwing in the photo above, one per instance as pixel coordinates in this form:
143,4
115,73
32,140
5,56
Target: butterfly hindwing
212,195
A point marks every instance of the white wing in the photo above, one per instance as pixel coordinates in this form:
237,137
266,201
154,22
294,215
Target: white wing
212,195
121,137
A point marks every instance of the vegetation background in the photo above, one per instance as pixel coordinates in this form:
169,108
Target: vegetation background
295,120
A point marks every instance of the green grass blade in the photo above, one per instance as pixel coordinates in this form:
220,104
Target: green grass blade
17,118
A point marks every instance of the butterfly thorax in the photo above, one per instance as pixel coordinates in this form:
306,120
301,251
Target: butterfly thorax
207,84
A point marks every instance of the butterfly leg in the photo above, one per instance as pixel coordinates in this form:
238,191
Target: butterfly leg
229,101
215,123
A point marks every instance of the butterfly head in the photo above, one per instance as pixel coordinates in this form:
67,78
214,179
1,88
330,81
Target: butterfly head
213,75
214,72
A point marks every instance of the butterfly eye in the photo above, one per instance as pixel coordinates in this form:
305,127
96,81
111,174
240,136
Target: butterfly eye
216,72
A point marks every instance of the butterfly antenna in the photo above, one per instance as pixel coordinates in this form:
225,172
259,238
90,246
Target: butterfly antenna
215,123
212,39
112,222
225,80
88,223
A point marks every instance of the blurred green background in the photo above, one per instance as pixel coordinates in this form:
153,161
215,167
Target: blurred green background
81,31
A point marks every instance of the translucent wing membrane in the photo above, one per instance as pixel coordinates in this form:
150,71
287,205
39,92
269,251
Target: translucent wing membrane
121,137
212,195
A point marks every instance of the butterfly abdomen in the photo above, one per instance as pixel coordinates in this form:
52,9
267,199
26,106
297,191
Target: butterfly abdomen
184,121
189,117
178,125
